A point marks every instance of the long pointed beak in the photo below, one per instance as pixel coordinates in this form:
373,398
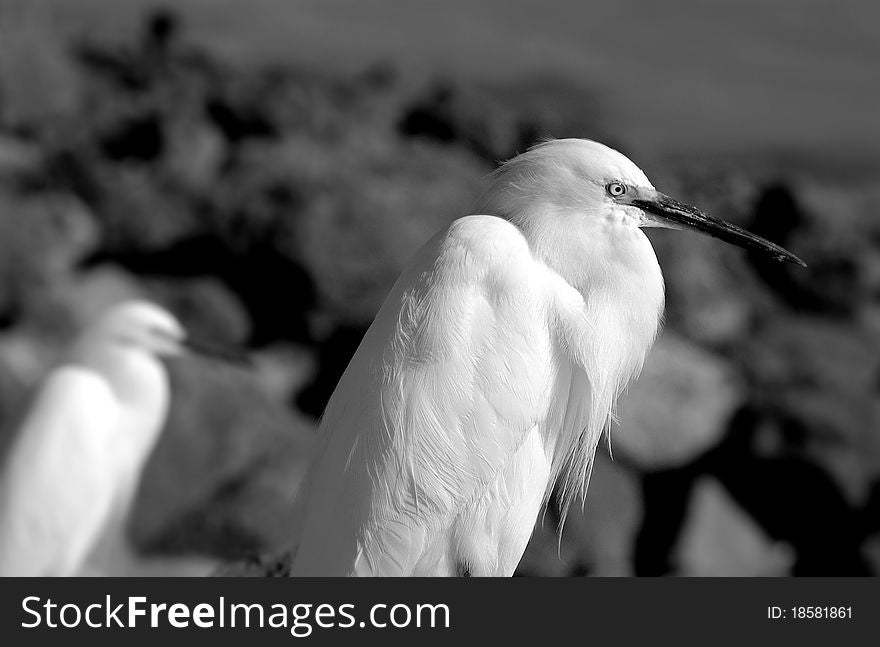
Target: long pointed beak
216,351
668,212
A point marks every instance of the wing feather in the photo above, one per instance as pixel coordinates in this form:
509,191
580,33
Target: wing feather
455,371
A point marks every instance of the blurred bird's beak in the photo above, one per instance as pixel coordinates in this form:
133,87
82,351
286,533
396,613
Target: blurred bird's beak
216,351
668,212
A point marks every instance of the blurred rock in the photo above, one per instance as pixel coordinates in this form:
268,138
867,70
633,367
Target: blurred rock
334,352
138,209
206,308
268,565
871,269
542,557
363,227
195,154
13,395
42,238
833,237
597,540
708,301
678,408
18,157
139,138
820,377
803,350
835,281
350,211
837,429
450,114
136,565
872,552
224,475
134,67
715,292
38,81
665,498
772,469
603,533
719,539
283,369
868,319
27,355
777,215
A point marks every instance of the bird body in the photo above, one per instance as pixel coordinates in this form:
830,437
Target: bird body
74,467
475,391
492,369
46,529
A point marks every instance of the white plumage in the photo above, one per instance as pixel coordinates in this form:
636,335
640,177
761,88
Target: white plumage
72,472
491,370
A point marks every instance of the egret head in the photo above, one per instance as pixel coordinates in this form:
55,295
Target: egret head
140,325
571,185
144,326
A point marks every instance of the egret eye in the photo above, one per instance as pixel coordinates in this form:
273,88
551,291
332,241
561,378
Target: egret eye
615,189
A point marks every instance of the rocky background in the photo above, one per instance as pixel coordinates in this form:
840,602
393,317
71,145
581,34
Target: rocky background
272,207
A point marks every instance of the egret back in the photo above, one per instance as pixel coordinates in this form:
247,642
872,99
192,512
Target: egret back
57,484
140,385
438,441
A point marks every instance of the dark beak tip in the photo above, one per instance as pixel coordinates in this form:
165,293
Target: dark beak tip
217,352
787,257
689,217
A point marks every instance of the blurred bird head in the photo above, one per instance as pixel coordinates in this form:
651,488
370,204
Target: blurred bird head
577,188
144,326
140,325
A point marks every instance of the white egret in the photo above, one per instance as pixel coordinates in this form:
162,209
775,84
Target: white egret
73,470
492,369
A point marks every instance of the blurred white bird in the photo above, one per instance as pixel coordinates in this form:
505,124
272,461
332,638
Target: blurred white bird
70,477
492,370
